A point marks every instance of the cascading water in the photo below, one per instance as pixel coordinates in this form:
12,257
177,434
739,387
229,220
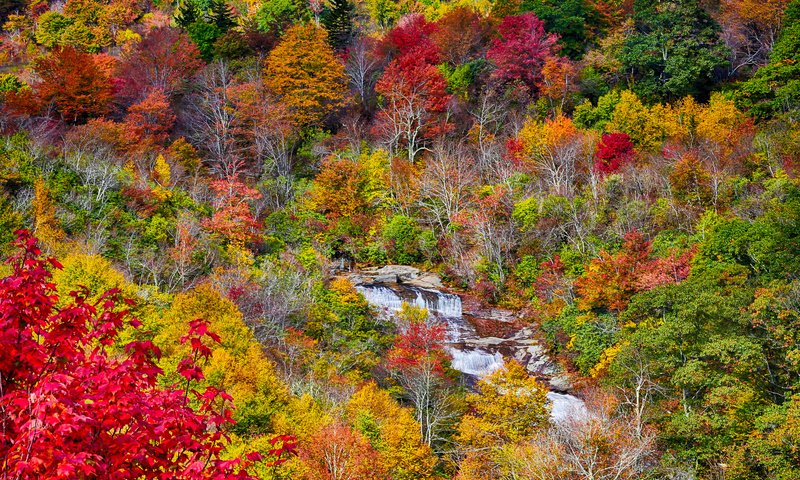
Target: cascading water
471,354
440,304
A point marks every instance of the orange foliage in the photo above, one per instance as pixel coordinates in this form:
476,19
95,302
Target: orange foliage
336,452
152,118
306,74
78,84
611,280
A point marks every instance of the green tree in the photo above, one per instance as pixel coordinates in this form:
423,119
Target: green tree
775,88
675,51
575,21
338,21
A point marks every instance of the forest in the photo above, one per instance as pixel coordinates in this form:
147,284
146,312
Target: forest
400,239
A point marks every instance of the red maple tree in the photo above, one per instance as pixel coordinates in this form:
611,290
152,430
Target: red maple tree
73,404
520,52
613,151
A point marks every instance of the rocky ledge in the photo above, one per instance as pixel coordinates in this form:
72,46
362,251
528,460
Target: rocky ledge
397,274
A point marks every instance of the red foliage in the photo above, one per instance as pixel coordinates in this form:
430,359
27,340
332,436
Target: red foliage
520,52
151,119
74,409
77,84
233,218
462,35
613,151
550,282
412,36
421,345
164,60
415,94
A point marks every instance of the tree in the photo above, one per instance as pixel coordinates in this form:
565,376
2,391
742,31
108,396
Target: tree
675,51
773,89
750,29
392,431
76,83
556,151
233,218
418,362
610,281
462,35
336,452
338,21
414,94
151,119
304,72
187,13
613,152
520,52
220,15
575,22
66,414
165,60
510,407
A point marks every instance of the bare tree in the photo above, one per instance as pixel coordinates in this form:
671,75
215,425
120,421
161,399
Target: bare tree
363,67
214,121
447,181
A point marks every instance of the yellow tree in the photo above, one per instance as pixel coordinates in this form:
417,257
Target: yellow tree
510,407
46,225
393,431
304,72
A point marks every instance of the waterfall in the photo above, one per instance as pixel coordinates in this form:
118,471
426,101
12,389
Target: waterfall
437,303
381,297
476,361
564,406
468,354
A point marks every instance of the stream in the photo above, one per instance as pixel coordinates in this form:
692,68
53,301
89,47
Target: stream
479,342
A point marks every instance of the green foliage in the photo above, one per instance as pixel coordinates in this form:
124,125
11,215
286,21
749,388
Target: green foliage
10,83
461,78
572,20
187,13
204,35
51,26
337,18
221,15
277,15
775,88
587,116
583,336
675,51
401,234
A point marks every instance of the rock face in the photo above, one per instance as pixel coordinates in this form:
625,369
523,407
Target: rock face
397,274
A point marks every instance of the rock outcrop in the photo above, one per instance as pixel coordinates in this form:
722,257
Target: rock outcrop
397,274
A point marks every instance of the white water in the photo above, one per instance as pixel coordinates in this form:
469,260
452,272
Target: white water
476,362
470,360
564,407
437,303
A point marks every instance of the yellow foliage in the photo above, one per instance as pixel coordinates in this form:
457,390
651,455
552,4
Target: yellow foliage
608,356
647,127
345,291
302,417
93,272
399,437
541,138
238,364
45,226
161,172
721,121
510,407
